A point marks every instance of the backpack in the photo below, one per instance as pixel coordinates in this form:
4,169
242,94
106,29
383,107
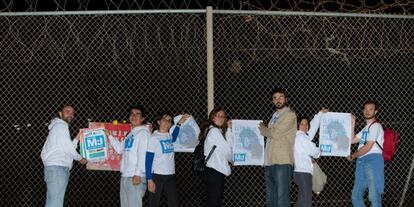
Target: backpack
390,142
199,160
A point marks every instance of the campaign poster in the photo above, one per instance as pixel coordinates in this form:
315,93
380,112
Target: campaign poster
248,143
113,160
93,144
335,134
187,138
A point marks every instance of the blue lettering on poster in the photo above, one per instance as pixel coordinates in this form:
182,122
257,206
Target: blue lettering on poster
95,142
326,148
240,157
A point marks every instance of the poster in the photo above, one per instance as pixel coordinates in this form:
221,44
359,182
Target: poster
93,144
248,144
187,138
113,160
335,134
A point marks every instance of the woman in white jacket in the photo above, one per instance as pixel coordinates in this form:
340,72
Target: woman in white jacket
304,151
215,133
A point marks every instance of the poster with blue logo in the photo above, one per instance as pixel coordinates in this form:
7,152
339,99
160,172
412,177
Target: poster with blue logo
187,138
93,144
335,134
248,143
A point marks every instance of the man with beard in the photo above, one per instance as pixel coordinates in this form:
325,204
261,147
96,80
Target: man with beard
369,173
280,134
58,153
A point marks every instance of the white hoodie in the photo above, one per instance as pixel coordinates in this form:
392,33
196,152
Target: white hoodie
223,153
133,150
59,149
305,149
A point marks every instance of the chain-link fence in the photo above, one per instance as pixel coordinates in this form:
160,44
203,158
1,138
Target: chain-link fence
105,62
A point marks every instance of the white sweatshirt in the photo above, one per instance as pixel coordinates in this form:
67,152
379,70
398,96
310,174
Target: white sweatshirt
305,149
223,153
133,150
59,149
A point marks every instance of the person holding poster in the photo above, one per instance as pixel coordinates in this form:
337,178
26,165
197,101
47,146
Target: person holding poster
133,149
58,154
304,151
159,161
280,135
369,173
215,133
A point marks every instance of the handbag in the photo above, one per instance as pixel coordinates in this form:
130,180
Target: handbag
319,179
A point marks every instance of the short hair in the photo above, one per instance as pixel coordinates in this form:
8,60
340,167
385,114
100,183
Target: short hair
279,90
371,102
62,106
138,107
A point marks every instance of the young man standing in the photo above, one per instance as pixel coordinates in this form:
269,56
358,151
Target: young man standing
280,135
133,149
369,174
58,153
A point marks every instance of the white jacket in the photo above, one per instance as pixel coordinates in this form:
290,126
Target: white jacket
305,149
133,149
223,153
59,149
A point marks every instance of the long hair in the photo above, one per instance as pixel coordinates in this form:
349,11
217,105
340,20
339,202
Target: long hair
205,127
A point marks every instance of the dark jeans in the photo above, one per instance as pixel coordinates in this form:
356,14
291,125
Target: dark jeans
304,183
214,182
278,181
167,184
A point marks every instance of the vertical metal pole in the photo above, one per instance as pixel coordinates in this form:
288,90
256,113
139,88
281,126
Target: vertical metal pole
210,60
407,183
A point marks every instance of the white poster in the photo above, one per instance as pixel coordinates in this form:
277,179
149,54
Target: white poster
335,134
248,145
187,138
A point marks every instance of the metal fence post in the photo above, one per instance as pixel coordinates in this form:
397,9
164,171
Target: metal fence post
210,60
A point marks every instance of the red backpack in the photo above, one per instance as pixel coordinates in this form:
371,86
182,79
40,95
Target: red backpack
389,146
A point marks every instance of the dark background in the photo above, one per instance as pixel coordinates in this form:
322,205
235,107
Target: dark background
105,63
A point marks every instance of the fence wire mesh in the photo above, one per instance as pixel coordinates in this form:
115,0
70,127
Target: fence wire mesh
105,63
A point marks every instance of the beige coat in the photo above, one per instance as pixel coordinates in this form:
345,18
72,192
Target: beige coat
281,138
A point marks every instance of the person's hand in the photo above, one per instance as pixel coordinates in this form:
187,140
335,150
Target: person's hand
183,119
136,180
262,127
353,119
229,124
78,136
107,133
151,186
83,161
349,158
324,110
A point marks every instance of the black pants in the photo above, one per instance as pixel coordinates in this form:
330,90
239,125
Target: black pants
214,182
304,183
167,184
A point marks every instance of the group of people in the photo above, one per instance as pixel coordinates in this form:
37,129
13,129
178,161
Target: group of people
148,157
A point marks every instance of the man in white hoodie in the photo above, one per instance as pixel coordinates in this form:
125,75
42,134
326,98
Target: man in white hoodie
133,150
58,153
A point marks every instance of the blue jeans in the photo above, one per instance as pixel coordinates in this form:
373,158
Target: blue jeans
278,181
56,178
131,195
369,175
